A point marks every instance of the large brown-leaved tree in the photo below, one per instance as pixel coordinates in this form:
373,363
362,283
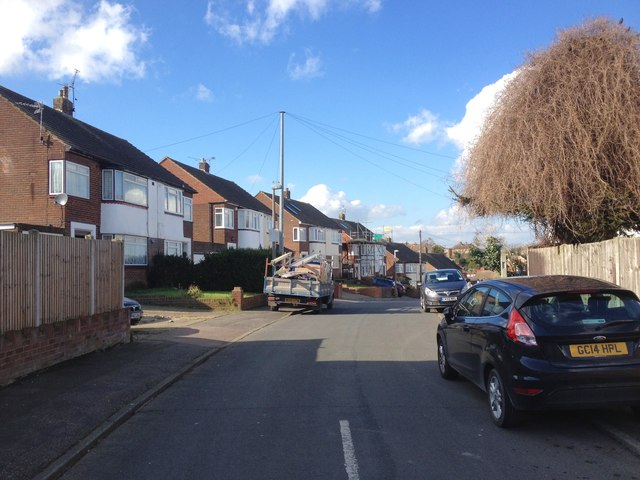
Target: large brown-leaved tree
561,147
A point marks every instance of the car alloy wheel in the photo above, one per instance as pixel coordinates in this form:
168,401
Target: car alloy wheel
446,371
423,306
502,412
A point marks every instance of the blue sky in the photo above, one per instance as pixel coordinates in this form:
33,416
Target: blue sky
381,96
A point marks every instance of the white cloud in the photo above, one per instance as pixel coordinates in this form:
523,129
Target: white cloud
261,20
311,66
203,94
253,179
56,37
465,133
418,129
332,203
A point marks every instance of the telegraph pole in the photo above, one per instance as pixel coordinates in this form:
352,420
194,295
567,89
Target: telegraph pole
419,258
281,209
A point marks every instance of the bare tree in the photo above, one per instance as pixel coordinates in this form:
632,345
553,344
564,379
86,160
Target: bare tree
561,147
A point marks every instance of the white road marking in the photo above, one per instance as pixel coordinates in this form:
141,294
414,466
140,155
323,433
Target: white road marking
350,461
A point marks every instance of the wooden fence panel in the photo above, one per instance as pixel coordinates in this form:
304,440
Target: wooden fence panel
47,279
616,260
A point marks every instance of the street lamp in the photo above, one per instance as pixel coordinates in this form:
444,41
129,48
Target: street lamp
395,273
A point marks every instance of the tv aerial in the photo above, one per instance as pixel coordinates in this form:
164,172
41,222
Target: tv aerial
38,109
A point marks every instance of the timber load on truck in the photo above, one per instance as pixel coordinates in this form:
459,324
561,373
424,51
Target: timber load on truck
304,283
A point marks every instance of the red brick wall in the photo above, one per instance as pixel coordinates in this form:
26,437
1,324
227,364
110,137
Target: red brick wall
32,349
24,175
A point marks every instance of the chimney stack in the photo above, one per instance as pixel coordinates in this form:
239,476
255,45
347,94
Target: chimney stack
204,165
342,216
62,102
287,194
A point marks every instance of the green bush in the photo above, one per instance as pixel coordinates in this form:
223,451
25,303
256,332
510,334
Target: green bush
170,271
232,268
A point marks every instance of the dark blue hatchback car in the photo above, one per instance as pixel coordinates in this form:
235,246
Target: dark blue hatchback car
547,342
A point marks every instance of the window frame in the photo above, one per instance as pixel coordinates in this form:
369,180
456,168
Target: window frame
299,234
187,208
123,184
171,246
317,234
173,200
130,242
223,218
66,171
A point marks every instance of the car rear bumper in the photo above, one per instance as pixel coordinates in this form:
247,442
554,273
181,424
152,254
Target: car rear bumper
575,388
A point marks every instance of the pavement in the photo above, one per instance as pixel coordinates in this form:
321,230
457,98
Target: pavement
50,419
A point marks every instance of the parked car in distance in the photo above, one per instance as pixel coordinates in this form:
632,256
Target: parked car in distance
135,310
440,288
387,282
544,343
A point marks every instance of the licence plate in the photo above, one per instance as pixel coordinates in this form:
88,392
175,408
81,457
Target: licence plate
293,300
598,349
449,299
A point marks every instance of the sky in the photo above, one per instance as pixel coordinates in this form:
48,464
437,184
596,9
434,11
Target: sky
381,98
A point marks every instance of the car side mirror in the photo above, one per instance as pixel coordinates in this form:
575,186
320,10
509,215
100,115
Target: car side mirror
448,314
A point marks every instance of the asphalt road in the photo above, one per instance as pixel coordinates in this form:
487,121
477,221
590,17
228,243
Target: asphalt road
353,393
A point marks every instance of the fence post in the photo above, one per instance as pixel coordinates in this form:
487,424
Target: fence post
617,260
37,281
92,276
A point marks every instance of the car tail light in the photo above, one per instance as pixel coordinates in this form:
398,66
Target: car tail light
530,392
519,331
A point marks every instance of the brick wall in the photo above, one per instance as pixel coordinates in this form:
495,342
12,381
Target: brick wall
247,303
32,349
24,179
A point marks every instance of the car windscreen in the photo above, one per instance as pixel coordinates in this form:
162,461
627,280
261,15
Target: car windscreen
586,310
434,278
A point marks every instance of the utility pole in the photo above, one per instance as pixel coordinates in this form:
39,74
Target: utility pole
281,209
419,281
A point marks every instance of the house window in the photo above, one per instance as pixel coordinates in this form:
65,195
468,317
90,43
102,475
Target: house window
135,248
224,217
317,234
126,187
172,200
188,209
336,237
248,220
299,234
173,248
68,177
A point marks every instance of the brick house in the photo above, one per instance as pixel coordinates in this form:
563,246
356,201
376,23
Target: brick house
360,256
306,229
224,215
61,176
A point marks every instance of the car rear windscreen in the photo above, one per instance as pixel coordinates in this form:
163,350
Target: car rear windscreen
592,309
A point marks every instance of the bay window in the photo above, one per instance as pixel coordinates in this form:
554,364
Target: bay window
135,248
125,187
68,177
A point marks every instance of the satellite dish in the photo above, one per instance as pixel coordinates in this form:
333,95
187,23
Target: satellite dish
61,199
